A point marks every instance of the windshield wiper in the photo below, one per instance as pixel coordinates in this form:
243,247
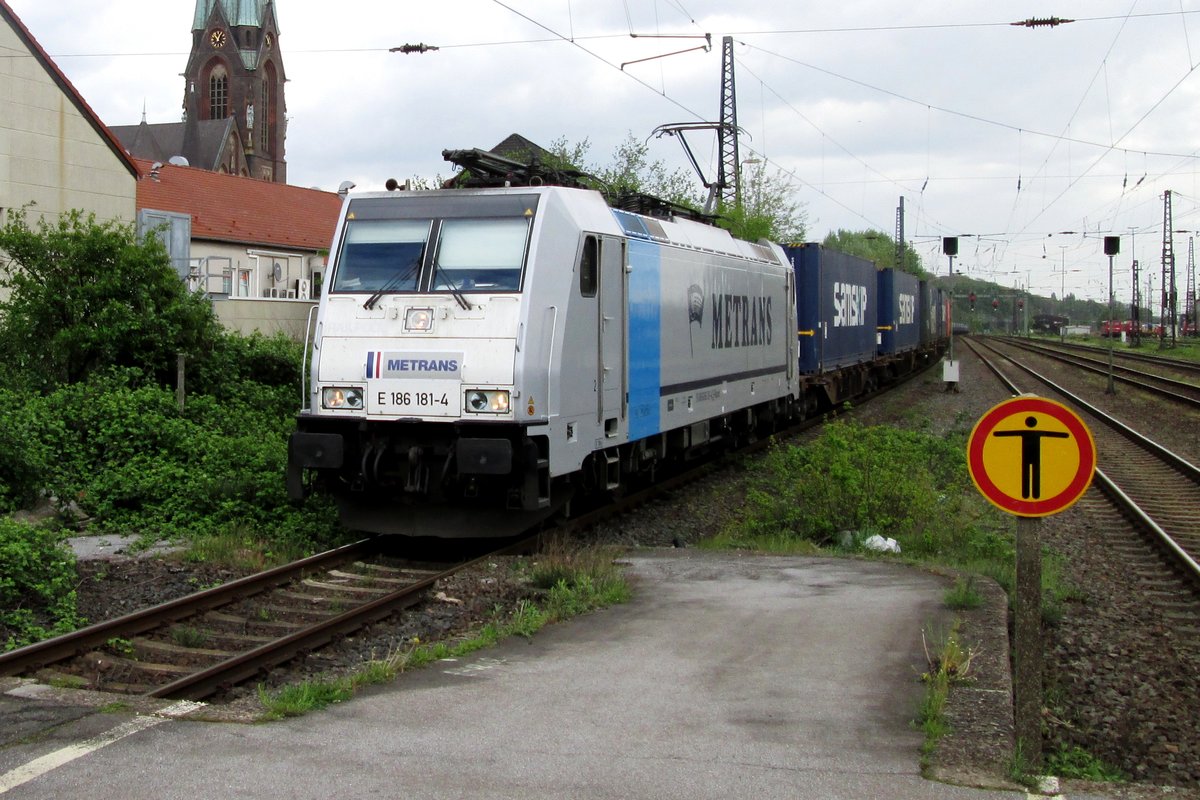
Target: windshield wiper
455,292
394,281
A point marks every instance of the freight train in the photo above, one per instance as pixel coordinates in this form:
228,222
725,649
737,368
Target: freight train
483,356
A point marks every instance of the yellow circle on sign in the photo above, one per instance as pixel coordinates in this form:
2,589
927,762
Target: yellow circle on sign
1004,453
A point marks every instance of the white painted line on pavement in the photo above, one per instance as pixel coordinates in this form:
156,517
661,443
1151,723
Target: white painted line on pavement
43,764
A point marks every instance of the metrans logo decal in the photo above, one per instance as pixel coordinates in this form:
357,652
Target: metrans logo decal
413,365
741,320
738,320
849,305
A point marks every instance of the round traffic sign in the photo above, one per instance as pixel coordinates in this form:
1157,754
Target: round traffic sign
1031,456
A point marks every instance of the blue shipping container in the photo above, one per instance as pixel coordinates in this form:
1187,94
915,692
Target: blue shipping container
836,297
899,324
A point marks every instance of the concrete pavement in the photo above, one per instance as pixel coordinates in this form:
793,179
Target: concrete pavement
727,676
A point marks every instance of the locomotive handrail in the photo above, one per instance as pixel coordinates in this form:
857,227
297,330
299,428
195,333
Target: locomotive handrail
304,360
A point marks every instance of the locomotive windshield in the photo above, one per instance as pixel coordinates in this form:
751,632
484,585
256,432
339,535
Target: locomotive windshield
480,255
382,256
458,247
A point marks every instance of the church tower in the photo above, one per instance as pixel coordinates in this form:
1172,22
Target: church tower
235,73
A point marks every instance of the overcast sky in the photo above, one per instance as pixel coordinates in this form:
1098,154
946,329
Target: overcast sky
1009,137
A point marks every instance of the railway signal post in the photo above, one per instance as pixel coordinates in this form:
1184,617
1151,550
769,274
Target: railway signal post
1030,457
950,365
1112,246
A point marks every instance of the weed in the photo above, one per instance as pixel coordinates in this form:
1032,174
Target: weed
120,647
115,707
292,701
67,682
1075,762
963,596
187,636
948,664
1019,769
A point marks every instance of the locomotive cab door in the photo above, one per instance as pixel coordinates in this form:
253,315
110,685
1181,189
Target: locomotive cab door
612,336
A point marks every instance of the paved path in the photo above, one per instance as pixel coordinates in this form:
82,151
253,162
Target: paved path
727,677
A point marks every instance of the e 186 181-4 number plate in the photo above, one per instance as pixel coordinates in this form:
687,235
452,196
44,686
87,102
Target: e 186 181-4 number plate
429,398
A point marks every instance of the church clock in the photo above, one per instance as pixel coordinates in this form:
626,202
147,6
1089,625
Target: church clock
217,38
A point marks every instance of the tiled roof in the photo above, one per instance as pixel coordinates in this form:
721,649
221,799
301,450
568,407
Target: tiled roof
57,75
228,208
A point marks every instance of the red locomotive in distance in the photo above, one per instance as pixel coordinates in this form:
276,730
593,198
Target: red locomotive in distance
1117,327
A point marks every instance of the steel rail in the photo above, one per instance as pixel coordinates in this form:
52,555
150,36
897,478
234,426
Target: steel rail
1099,367
48,651
224,674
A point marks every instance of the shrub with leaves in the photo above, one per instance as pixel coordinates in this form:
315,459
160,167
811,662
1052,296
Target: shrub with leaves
134,462
37,584
87,296
901,484
22,456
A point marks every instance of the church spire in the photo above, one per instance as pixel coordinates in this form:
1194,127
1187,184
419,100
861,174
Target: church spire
236,12
235,72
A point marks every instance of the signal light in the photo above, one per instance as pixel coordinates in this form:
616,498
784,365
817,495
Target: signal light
995,304
1021,305
971,299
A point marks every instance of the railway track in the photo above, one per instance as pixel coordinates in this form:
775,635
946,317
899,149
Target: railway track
1147,354
1179,390
1157,491
198,645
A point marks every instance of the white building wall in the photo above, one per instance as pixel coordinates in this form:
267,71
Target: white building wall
50,154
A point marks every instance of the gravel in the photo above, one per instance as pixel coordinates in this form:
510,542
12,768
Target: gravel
1121,685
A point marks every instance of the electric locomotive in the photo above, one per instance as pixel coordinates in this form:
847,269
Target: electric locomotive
506,349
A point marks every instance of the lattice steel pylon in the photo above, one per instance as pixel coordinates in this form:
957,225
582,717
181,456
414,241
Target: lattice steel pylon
1167,317
900,234
729,173
1189,308
1135,309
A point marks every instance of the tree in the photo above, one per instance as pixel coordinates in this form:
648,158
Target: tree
767,210
86,296
631,170
876,246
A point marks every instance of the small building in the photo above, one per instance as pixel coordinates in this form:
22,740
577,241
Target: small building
257,248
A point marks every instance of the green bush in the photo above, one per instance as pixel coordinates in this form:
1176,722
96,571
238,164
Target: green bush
133,462
88,296
903,484
37,584
22,456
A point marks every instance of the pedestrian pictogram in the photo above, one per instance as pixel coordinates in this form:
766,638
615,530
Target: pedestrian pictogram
1031,456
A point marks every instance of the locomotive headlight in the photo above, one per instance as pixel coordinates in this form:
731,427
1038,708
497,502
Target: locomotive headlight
418,319
487,402
342,397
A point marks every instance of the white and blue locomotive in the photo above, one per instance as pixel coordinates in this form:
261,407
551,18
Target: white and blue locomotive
507,349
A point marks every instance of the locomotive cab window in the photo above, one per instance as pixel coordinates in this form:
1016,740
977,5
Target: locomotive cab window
480,255
589,261
382,256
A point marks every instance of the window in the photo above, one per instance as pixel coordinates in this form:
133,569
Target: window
589,262
483,255
264,126
381,256
218,93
